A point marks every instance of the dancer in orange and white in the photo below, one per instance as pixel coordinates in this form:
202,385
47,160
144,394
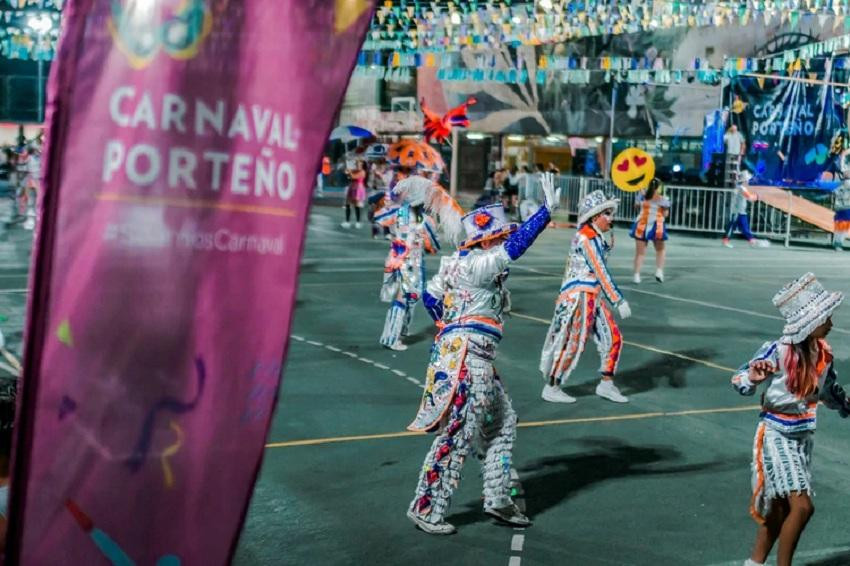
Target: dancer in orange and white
798,373
653,208
580,310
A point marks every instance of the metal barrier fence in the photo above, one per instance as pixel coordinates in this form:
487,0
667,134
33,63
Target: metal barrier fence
692,209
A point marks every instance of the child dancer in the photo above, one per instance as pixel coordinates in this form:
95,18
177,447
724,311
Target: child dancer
580,311
648,227
798,372
464,400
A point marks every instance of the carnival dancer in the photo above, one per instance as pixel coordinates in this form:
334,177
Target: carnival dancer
798,372
580,310
464,400
653,208
404,271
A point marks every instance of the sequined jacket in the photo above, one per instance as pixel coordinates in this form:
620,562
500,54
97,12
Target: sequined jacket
404,268
469,289
783,410
586,268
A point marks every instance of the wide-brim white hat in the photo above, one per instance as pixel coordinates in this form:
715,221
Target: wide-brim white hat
805,304
486,223
593,204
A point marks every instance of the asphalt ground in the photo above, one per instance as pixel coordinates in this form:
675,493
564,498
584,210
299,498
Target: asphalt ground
663,479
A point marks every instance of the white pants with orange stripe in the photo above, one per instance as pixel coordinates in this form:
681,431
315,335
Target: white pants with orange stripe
781,466
578,316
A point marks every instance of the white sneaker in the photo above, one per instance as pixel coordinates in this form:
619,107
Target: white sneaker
388,236
441,528
607,390
510,515
345,224
555,394
727,244
751,562
357,225
398,347
659,275
763,243
636,278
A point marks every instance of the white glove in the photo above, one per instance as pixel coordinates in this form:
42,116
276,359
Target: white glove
551,197
624,310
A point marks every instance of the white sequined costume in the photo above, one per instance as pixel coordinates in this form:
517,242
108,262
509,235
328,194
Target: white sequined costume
464,399
782,449
404,269
580,311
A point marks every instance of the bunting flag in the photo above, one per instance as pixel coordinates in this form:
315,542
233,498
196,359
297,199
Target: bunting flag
177,183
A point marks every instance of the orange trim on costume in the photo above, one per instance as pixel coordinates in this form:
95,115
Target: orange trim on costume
809,415
588,231
659,223
482,319
759,475
575,331
642,220
601,272
616,340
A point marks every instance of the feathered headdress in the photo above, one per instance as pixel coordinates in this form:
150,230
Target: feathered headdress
416,190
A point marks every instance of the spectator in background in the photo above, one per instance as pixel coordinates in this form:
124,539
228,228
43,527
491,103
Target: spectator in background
510,196
735,143
740,218
552,168
355,196
320,178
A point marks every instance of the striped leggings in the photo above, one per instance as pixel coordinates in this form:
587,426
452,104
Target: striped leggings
577,317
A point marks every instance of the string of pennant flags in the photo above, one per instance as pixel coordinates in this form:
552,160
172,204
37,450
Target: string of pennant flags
396,66
488,24
32,4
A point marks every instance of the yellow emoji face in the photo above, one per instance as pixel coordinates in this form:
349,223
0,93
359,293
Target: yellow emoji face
632,170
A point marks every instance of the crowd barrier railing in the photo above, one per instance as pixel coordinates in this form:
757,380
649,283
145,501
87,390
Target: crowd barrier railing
692,209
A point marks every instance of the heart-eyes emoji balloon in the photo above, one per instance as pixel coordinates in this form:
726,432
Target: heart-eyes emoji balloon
632,170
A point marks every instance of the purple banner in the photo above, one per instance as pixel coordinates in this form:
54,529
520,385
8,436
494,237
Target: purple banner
184,141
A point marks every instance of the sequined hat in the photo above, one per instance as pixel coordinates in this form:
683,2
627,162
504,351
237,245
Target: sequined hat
805,304
593,204
484,224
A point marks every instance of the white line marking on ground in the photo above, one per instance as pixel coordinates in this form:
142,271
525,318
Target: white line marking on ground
356,357
641,346
4,291
516,543
515,561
